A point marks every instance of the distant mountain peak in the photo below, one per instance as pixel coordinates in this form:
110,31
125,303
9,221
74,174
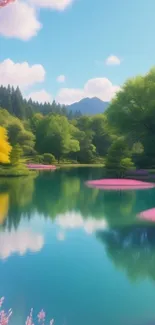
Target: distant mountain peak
89,106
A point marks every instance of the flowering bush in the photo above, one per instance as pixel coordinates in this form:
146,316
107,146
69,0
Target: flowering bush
5,317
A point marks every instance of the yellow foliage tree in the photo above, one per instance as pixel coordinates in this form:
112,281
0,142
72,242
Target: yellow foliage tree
5,147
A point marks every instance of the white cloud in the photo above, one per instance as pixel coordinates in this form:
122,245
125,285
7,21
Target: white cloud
41,96
19,242
113,60
68,96
97,87
20,74
72,220
61,78
53,4
19,20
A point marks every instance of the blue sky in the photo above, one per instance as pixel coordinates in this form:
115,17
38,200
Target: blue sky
75,42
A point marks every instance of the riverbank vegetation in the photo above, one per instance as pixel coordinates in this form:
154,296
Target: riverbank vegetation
121,138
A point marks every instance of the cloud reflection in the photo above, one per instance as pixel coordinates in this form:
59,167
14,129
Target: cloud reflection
19,242
61,236
73,220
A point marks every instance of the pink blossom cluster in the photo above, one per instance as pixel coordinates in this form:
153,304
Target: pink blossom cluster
39,166
5,317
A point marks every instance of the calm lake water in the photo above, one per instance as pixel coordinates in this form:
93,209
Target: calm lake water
81,254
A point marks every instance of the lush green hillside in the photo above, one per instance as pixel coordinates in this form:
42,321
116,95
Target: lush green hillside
122,137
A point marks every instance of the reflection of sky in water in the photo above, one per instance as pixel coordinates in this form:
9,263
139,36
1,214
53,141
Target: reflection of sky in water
28,237
19,242
73,220
25,239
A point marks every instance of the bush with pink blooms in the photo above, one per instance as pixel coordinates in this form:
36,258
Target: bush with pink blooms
5,316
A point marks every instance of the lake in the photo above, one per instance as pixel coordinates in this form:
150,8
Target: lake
81,254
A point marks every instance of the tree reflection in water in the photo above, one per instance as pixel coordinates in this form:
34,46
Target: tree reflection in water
132,249
63,192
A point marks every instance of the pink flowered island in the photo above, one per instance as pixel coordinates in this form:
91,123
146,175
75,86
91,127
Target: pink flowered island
119,184
148,215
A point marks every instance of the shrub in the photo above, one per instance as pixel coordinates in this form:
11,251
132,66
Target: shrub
48,158
118,157
38,159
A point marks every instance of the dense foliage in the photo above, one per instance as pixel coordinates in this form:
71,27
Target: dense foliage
5,147
132,113
122,137
52,137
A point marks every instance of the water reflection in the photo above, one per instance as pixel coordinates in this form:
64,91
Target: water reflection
61,227
58,193
62,197
131,249
73,220
18,194
19,242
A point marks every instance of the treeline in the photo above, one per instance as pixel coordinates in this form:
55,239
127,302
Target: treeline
12,100
123,137
54,137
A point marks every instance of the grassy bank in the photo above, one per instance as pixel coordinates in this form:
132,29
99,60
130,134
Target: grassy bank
61,165
14,171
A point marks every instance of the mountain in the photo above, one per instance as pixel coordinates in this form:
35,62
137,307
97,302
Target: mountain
89,106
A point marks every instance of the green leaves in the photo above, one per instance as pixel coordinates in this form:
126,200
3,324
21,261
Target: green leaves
55,135
118,157
132,114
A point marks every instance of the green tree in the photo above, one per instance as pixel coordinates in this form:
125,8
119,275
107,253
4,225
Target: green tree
5,98
118,158
126,164
16,155
101,138
34,121
48,158
18,135
87,149
14,128
5,117
132,113
53,135
84,123
18,107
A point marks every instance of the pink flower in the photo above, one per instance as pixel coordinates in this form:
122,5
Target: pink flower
4,318
41,316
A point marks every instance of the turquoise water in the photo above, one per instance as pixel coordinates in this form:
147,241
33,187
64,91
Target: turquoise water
81,254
